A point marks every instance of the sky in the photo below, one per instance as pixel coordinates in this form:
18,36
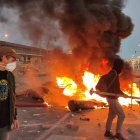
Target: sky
130,46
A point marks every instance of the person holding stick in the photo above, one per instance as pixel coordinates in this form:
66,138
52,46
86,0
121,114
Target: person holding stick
110,83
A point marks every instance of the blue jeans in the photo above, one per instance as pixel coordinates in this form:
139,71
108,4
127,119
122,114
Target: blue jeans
4,133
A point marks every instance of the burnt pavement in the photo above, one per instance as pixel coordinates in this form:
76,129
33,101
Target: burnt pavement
58,123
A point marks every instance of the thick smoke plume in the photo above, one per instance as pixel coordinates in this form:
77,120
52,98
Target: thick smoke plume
94,29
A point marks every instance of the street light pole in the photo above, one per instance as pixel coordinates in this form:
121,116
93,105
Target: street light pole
131,94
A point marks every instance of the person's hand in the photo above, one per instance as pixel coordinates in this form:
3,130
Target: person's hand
2,66
91,91
15,125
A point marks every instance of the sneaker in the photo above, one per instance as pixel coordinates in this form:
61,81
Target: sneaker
119,136
108,134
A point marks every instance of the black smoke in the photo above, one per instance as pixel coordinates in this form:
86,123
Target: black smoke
94,29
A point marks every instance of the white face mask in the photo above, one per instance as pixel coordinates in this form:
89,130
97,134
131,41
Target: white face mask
11,66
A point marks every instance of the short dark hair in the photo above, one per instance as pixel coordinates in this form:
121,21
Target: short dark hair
118,65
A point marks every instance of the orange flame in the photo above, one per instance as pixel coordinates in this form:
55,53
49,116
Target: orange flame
68,84
90,80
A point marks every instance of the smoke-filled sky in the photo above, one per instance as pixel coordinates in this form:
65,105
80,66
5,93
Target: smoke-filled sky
27,22
132,43
92,30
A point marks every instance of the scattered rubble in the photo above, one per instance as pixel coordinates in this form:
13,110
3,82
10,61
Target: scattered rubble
46,126
84,119
61,131
25,121
131,131
99,125
36,115
72,126
58,117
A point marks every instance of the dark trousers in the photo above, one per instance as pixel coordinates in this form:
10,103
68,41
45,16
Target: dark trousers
4,133
115,109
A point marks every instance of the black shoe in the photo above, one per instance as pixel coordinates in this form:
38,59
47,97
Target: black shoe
119,136
108,134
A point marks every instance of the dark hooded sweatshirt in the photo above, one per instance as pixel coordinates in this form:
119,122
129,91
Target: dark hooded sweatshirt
110,83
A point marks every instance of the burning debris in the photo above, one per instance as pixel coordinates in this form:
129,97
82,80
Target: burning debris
80,99
76,106
91,30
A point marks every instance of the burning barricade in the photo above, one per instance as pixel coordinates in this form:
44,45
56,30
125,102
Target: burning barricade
68,93
81,100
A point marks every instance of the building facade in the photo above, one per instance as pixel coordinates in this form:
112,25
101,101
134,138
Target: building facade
26,54
135,63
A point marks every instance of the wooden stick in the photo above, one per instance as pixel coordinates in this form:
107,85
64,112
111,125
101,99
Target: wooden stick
114,94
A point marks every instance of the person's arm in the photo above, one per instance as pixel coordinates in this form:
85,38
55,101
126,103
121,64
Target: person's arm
101,85
14,87
15,116
15,124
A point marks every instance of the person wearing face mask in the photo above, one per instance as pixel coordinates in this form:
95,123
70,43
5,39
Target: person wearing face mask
8,111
